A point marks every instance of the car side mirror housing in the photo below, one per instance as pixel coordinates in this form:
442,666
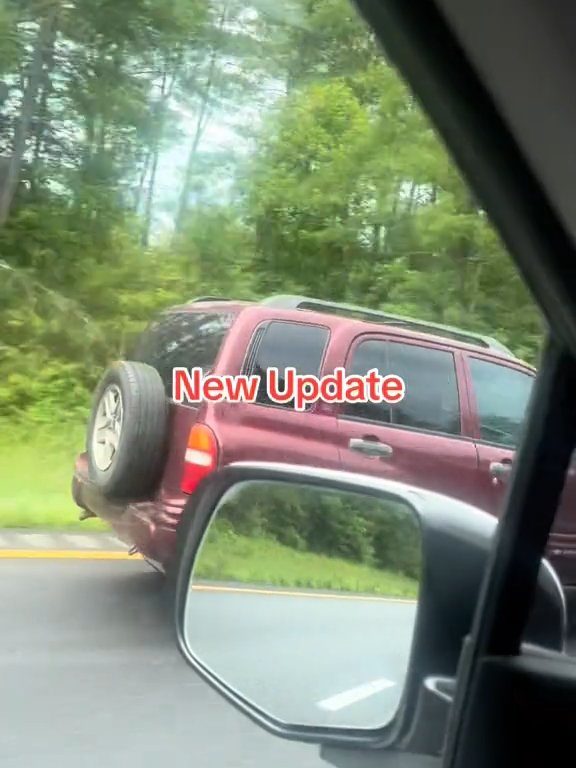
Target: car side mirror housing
331,607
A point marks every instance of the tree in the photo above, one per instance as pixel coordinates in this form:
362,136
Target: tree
31,75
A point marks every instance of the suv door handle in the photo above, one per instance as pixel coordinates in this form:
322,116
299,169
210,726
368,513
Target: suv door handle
500,469
372,448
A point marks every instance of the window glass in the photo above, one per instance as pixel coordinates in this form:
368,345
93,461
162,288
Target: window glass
282,345
366,356
431,399
166,164
183,339
502,396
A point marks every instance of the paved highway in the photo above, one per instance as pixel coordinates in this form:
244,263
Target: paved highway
90,677
313,659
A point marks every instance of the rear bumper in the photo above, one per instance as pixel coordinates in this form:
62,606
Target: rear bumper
150,525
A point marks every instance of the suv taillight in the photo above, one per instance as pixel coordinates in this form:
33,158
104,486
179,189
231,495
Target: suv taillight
201,457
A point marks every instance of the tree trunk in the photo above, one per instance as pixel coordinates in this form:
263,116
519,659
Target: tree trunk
153,156
391,222
27,111
46,90
142,180
201,123
155,153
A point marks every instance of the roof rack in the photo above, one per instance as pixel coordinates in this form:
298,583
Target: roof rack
200,299
377,316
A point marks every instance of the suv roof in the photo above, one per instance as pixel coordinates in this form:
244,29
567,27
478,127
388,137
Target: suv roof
304,303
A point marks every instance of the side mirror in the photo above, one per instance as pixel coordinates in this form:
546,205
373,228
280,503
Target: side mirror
331,607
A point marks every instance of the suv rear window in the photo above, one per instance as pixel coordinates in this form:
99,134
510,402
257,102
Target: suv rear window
431,401
183,339
281,345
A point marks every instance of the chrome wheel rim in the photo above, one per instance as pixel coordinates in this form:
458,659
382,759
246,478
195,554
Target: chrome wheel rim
107,427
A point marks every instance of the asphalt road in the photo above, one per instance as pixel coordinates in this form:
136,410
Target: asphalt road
314,659
90,676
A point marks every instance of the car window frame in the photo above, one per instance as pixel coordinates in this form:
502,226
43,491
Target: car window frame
252,350
461,384
474,411
487,151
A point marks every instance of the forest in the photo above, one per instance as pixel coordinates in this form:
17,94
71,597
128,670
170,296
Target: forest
156,150
291,535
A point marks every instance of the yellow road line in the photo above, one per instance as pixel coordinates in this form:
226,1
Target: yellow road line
71,554
64,554
288,593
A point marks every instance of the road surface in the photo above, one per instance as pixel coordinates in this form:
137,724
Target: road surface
90,677
90,674
315,659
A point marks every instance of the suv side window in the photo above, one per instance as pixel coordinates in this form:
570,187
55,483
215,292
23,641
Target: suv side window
431,401
182,339
502,396
280,344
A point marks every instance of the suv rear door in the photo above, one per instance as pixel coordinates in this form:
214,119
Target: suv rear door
499,394
420,440
265,430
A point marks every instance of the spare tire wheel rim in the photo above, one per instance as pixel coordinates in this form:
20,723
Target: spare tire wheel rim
107,427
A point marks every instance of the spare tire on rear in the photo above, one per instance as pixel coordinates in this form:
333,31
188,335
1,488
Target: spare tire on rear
127,431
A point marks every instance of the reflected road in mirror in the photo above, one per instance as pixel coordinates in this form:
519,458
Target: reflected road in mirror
304,601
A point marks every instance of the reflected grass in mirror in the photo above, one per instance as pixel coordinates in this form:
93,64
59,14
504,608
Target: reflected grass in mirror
304,598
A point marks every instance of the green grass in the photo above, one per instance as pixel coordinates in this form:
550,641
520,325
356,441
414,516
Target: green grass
233,558
36,465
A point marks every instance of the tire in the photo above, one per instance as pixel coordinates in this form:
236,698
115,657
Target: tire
126,437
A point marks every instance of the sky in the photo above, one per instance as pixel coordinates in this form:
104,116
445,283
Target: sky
220,135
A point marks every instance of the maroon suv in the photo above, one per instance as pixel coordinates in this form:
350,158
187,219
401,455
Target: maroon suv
455,431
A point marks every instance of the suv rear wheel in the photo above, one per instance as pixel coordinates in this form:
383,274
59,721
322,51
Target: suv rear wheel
127,430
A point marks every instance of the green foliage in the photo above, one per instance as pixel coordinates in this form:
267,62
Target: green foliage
231,557
352,195
345,194
41,390
215,251
37,461
10,47
344,526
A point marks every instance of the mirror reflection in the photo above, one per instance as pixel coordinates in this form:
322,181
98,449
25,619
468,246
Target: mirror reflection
303,599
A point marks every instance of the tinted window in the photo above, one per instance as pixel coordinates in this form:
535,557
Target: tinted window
431,399
368,355
502,396
183,339
282,345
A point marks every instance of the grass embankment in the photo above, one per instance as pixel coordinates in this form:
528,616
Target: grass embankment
36,465
234,558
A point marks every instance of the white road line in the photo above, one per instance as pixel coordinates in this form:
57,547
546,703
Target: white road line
115,541
81,540
353,695
42,540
